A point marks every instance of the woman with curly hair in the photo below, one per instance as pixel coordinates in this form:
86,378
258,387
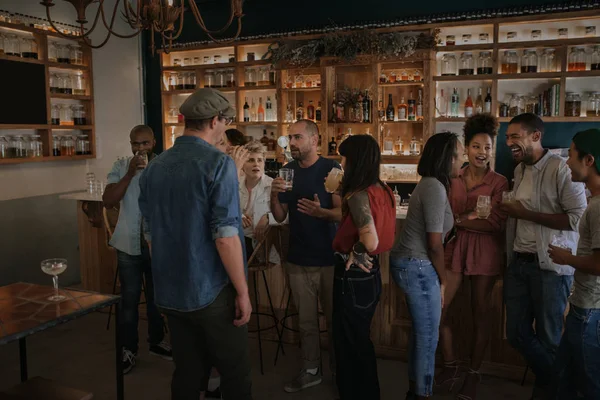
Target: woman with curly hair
476,250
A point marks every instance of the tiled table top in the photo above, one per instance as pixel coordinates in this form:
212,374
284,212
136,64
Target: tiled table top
24,308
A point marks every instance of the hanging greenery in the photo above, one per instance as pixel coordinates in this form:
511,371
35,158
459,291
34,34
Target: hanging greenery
304,53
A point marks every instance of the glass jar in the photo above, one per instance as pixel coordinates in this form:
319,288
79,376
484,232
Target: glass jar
192,80
52,52
230,77
513,106
529,61
404,76
63,54
250,57
55,115
196,60
54,83
485,63
79,85
577,59
530,104
511,36
4,148
177,62
206,60
217,59
173,115
510,62
209,78
250,77
572,105
548,61
393,77
220,78
12,45
55,145
76,55
18,147
186,80
172,81
450,40
180,81
187,61
79,114
448,65
595,59
484,37
263,77
67,146
466,38
82,146
66,84
563,33
272,77
29,48
467,64
536,34
35,147
590,31
593,105
66,115
417,76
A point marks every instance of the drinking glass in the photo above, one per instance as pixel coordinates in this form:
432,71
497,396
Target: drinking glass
508,196
334,178
560,240
484,207
288,176
55,267
144,156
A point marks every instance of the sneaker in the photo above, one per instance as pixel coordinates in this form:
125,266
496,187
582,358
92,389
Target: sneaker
128,361
214,394
303,381
162,350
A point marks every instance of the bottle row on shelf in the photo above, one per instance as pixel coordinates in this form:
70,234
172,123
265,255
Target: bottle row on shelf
31,146
449,105
260,113
269,142
401,75
179,61
68,83
303,81
37,23
396,146
411,110
351,105
547,104
15,45
68,115
312,113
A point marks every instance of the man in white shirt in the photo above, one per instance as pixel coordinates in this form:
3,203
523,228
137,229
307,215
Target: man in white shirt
536,289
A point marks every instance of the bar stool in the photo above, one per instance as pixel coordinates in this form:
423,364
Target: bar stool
110,222
256,265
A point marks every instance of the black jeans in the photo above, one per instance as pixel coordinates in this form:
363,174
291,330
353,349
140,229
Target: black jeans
207,338
355,298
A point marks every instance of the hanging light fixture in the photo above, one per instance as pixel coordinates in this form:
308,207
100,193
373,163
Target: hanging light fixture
164,17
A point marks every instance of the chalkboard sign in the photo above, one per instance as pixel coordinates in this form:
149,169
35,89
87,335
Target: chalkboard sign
23,87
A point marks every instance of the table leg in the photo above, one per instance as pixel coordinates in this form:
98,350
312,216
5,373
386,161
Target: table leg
119,354
23,358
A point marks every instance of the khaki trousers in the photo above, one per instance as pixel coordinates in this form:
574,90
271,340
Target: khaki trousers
308,285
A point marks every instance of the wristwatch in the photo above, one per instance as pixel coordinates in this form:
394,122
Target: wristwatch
457,219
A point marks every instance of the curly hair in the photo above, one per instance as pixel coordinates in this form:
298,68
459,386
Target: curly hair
480,123
254,146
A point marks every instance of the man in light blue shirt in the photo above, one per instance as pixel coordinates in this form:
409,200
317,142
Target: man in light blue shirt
133,257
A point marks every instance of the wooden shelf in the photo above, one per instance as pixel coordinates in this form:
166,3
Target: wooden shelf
43,159
529,76
558,119
23,28
179,92
547,43
70,96
457,78
256,88
253,63
71,127
466,47
450,119
23,126
58,65
21,59
401,122
400,84
386,159
266,123
310,89
581,74
198,66
352,123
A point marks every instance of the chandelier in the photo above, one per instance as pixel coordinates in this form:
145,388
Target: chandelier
164,17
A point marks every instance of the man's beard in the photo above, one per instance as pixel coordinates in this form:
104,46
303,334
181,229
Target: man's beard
528,155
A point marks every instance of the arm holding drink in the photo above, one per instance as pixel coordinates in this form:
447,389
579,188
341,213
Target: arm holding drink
116,189
496,219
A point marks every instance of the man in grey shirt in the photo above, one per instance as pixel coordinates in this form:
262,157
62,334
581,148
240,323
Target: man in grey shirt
535,288
578,359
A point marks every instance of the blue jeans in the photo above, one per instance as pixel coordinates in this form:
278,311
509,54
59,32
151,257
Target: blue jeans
421,285
532,294
132,269
578,359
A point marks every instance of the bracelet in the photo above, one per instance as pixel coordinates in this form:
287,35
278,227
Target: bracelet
359,248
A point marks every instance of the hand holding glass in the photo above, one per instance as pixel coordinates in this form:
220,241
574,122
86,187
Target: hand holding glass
484,207
288,176
55,267
334,178
144,157
508,197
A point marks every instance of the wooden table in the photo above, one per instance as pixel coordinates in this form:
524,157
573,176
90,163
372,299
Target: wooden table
25,310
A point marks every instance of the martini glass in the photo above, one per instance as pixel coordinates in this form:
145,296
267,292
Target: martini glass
55,267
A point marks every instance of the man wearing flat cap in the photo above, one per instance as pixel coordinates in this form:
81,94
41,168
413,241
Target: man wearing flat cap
578,359
190,202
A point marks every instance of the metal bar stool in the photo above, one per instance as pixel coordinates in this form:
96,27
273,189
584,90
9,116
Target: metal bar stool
259,263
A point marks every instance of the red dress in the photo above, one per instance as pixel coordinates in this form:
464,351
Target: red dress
473,252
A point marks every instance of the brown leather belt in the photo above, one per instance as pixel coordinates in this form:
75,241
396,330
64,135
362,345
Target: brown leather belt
527,257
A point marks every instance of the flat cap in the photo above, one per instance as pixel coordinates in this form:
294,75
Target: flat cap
206,103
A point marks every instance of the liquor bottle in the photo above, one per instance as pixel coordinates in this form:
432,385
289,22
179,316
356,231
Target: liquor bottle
300,111
253,115
398,146
289,114
261,110
442,105
318,112
454,104
366,106
412,105
381,109
332,147
469,105
246,111
388,143
414,147
402,110
487,103
272,142
389,112
270,113
333,110
310,111
479,103
264,140
420,106
340,112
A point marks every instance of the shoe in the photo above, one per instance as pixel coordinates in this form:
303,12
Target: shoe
303,381
128,361
162,350
214,394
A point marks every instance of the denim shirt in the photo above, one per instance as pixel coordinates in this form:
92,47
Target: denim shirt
553,193
189,198
127,234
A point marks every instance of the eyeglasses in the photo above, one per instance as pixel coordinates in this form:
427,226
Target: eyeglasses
228,120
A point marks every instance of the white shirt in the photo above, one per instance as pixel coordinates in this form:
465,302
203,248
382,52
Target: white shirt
525,239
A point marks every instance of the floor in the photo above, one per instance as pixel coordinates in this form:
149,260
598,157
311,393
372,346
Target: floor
81,354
